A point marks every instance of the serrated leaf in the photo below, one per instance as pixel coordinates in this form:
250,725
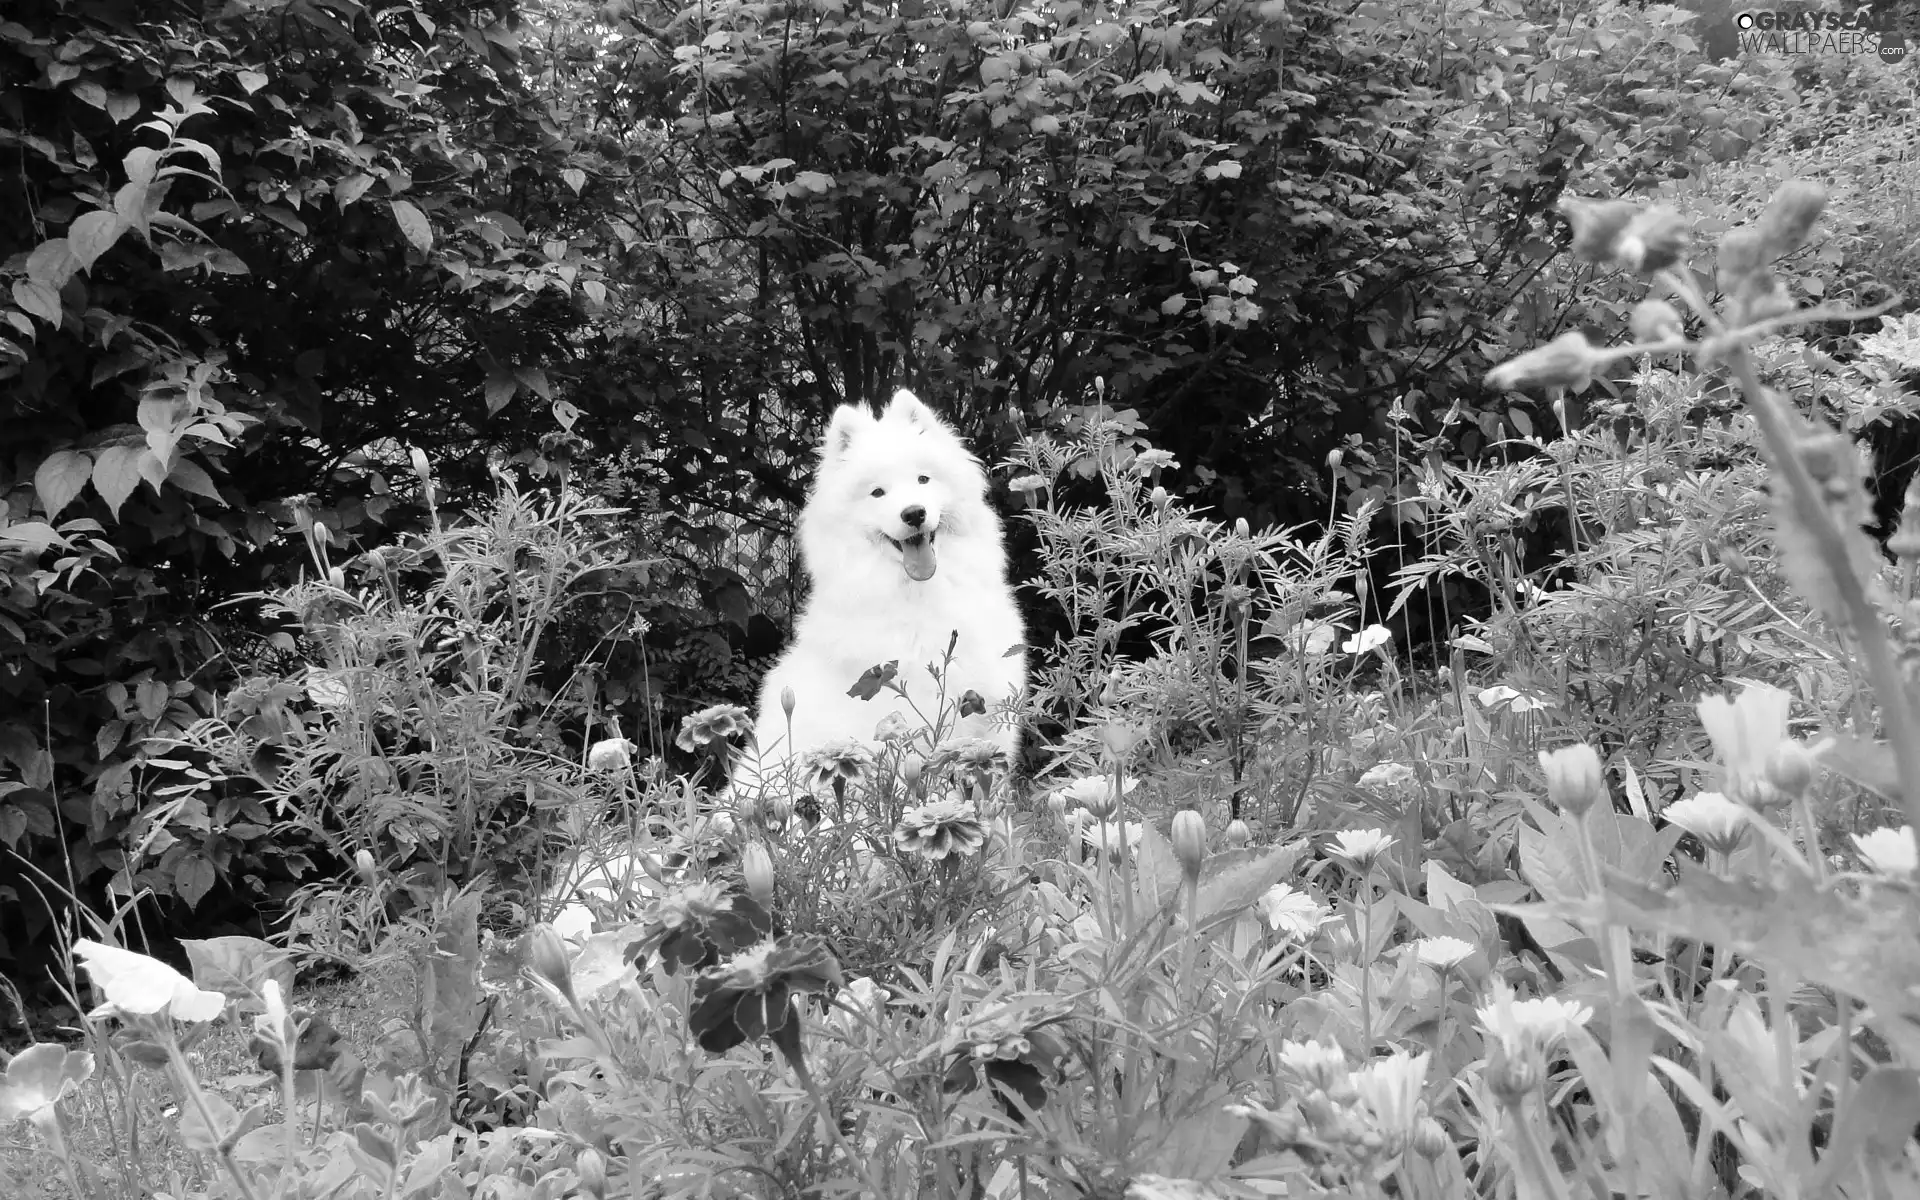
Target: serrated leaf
93,234
116,472
60,478
39,299
1864,944
237,966
413,224
1230,883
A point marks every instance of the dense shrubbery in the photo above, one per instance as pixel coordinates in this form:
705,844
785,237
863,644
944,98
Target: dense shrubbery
1276,908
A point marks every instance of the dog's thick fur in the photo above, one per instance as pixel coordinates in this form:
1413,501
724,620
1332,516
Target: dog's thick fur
903,552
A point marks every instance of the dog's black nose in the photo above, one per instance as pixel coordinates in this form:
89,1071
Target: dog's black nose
914,515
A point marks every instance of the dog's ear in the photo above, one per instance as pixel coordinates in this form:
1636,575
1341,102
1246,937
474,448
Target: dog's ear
847,421
906,407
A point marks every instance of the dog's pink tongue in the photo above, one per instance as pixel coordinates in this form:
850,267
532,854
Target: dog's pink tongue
916,554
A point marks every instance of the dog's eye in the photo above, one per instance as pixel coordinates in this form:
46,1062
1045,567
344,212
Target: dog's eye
923,479
877,493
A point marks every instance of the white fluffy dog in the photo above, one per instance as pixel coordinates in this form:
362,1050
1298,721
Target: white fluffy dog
906,559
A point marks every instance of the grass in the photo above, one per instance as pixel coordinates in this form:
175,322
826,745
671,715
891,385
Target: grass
356,1007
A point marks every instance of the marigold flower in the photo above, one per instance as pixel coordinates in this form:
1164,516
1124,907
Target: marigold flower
940,828
1718,822
136,985
846,761
750,994
1110,837
1008,1047
1386,774
1888,851
1529,1028
1148,461
1293,912
1390,1089
695,925
1567,361
1095,794
1745,732
1361,847
1443,953
1320,1064
712,725
612,754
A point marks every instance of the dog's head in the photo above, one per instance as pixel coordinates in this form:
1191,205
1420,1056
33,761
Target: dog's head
905,478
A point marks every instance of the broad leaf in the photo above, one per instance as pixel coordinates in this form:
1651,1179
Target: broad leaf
116,472
59,479
93,234
237,966
413,224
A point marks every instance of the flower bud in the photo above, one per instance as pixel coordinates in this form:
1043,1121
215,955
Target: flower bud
777,812
1652,241
1742,252
746,808
1239,833
1511,1075
913,773
1430,1138
1240,527
547,957
1735,561
1335,457
1757,297
1597,225
756,867
1567,361
1575,782
1159,498
788,701
1790,768
420,465
1057,805
1102,803
1656,321
366,868
591,1167
1790,216
321,535
1190,842
1905,542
